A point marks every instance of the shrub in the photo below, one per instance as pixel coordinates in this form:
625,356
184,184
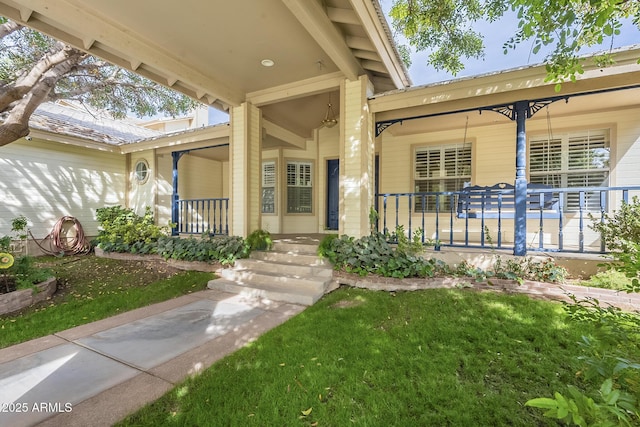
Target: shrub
260,240
224,249
609,279
122,230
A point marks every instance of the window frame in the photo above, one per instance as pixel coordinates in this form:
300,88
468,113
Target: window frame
562,169
136,173
308,178
441,176
273,187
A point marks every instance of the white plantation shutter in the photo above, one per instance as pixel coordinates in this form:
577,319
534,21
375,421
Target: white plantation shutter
578,159
299,187
440,168
268,187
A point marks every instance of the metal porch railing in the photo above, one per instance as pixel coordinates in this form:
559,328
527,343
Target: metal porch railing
437,217
203,216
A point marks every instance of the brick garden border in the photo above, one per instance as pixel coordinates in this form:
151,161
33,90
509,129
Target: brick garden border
17,300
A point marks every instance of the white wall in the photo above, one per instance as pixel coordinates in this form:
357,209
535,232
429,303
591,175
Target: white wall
45,181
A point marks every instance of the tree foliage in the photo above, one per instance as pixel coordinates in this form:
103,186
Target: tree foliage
35,68
565,27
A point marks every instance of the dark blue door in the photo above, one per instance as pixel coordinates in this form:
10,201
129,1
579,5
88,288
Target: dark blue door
333,190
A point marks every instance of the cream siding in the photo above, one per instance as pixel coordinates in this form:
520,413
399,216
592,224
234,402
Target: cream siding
45,181
143,194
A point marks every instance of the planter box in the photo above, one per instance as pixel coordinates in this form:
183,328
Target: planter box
17,300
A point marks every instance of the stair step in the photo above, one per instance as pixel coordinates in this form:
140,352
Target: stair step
295,248
275,267
250,277
268,291
290,258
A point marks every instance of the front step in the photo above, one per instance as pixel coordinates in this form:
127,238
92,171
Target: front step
290,272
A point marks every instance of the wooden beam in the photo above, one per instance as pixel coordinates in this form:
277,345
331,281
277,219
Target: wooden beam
297,89
313,17
343,16
283,134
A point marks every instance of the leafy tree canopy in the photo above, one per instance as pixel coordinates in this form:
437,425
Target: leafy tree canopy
35,68
445,28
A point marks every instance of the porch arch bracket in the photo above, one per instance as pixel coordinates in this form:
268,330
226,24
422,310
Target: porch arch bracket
509,110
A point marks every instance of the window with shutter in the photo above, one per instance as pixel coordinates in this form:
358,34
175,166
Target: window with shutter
438,169
269,187
578,159
299,187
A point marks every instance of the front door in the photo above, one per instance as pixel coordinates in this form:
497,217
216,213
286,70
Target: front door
333,199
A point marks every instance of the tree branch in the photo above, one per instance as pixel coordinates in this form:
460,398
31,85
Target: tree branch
24,84
16,124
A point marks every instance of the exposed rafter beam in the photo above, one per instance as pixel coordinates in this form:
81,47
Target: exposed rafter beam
378,33
313,17
87,25
283,134
297,89
343,16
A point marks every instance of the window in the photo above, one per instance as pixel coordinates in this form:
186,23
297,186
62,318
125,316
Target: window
438,169
141,173
579,159
269,187
299,187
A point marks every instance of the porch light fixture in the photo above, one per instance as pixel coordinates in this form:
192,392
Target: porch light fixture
267,63
329,120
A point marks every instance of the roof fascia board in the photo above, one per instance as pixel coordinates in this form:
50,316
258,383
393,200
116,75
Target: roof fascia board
314,19
380,39
73,140
295,90
204,135
87,23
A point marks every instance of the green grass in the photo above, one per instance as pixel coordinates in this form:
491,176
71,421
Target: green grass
426,358
92,288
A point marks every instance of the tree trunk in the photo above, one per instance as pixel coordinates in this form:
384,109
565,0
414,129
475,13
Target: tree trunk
16,125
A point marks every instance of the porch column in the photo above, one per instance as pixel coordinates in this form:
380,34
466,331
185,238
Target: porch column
520,187
175,197
244,169
357,156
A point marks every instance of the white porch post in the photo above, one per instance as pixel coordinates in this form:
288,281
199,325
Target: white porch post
357,156
244,169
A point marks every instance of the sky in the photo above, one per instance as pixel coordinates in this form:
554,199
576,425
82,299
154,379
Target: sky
495,35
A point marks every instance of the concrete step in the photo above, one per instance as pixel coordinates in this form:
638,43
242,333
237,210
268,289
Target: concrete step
269,291
290,258
291,247
270,266
257,278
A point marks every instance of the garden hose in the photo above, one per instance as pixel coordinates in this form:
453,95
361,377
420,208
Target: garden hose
59,244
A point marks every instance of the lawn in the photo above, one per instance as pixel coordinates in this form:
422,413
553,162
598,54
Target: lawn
92,288
357,357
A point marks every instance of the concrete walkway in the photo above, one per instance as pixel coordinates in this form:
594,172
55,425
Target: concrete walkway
96,374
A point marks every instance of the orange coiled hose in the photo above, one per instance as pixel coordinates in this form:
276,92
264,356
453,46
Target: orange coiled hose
59,244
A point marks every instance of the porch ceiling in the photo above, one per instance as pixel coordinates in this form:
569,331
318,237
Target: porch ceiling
212,50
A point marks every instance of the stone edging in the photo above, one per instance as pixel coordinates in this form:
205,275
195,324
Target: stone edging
181,265
552,291
17,300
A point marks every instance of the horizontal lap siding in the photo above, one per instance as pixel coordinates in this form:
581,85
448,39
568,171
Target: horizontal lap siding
45,181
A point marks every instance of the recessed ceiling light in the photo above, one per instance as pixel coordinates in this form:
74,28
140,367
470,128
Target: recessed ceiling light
267,63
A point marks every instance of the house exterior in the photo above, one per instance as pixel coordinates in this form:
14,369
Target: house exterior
408,152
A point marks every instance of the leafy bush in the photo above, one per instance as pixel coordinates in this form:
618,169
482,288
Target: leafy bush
260,240
26,273
620,231
122,230
374,255
608,279
224,249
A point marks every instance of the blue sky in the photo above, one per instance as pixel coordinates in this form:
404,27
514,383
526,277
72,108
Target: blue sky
495,34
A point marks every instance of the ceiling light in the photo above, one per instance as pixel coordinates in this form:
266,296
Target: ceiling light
267,62
329,120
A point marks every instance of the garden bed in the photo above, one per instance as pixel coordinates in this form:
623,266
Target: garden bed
206,267
17,300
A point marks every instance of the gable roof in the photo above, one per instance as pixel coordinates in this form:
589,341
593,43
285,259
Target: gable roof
78,123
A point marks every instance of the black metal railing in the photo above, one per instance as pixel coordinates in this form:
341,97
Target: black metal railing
558,219
203,216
